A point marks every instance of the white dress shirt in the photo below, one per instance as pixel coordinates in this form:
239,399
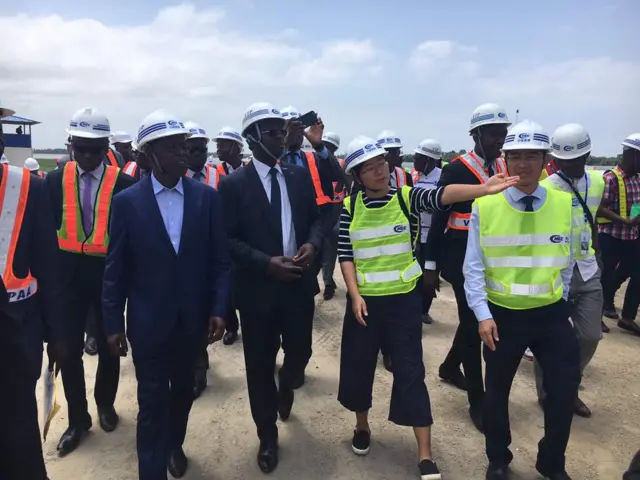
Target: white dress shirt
190,173
428,181
96,175
473,267
171,205
289,245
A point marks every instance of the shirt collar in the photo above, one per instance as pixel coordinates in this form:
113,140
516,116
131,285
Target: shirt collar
191,173
95,173
263,169
158,187
516,195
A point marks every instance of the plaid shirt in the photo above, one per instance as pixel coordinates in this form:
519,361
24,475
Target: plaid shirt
632,184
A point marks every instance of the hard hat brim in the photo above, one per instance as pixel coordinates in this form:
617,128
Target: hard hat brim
365,158
199,135
166,133
568,156
489,122
6,112
631,145
331,142
83,134
516,147
417,151
221,137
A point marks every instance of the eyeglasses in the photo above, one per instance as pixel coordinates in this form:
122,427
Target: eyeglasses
274,133
88,149
378,167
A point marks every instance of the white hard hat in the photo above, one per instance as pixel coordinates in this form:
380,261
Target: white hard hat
488,114
4,159
306,145
159,124
31,164
570,141
526,135
430,148
134,145
89,123
388,139
196,130
229,133
332,138
120,137
290,112
360,150
5,112
257,112
632,141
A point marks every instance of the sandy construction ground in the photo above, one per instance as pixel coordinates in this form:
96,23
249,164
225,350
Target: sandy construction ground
315,443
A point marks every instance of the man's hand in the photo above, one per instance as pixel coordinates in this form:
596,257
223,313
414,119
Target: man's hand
499,183
305,256
283,269
217,326
359,308
118,344
431,282
489,333
315,132
295,131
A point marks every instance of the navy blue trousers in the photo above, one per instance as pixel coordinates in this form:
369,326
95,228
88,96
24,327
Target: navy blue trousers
393,322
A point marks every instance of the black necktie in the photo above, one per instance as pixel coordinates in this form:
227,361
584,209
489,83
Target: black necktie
276,203
528,203
490,171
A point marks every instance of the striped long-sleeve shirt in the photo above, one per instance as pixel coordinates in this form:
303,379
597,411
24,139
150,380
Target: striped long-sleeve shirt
421,200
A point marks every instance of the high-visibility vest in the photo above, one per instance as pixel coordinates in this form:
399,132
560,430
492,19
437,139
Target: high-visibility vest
211,176
383,247
14,194
524,252
339,190
71,235
551,167
131,168
622,196
321,197
112,158
415,175
581,227
401,177
460,221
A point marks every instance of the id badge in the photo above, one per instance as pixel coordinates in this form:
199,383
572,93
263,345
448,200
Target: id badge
585,239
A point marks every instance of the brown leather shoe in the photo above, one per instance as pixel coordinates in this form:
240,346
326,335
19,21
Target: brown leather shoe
581,409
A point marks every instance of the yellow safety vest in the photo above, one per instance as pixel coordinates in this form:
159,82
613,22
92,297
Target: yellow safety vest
581,229
622,197
525,252
383,247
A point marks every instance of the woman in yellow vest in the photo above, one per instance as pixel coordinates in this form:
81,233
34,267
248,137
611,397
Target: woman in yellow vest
379,227
517,270
571,147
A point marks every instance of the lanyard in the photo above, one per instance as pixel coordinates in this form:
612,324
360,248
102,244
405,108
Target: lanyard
588,217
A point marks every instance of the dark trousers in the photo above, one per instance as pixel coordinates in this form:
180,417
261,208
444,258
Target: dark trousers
550,336
20,442
231,320
81,299
393,321
165,394
91,327
427,299
466,349
288,315
329,256
617,252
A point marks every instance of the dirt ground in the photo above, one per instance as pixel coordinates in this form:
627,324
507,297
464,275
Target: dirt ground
315,442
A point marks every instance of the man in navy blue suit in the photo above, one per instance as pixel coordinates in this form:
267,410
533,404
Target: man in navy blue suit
168,259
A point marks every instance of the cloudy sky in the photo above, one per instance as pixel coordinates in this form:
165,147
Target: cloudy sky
416,67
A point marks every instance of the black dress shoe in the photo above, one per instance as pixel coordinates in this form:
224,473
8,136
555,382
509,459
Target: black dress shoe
610,313
426,319
477,413
91,346
629,326
285,403
72,437
455,377
604,327
553,475
329,292
200,383
108,419
230,338
581,409
497,472
268,455
177,464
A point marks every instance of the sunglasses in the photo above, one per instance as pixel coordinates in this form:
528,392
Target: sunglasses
88,149
274,133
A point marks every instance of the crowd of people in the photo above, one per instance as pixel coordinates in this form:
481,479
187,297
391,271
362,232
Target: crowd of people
142,244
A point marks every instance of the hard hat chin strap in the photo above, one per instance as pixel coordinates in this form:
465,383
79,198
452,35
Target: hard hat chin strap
264,147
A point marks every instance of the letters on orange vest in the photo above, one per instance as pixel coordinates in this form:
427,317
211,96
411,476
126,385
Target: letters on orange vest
339,191
71,235
131,168
112,158
321,198
14,193
460,221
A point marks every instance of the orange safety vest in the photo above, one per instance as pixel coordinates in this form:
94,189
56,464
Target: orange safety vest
339,194
112,158
14,194
212,175
551,167
401,178
131,168
415,175
71,235
460,221
321,198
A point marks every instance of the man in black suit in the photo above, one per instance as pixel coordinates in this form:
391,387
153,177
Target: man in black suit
29,313
274,231
81,194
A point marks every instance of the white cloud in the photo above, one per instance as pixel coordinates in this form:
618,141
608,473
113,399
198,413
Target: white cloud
436,56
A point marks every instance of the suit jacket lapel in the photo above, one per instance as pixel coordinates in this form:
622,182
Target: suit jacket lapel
291,193
262,201
151,211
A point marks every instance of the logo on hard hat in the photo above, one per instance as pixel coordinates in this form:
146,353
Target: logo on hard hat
524,137
502,115
567,148
369,147
275,112
84,124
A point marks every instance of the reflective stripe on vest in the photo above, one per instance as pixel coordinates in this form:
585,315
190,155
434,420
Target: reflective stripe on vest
71,235
415,175
40,173
131,168
339,194
211,176
401,178
383,247
524,252
460,221
112,158
581,227
321,198
14,194
622,197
